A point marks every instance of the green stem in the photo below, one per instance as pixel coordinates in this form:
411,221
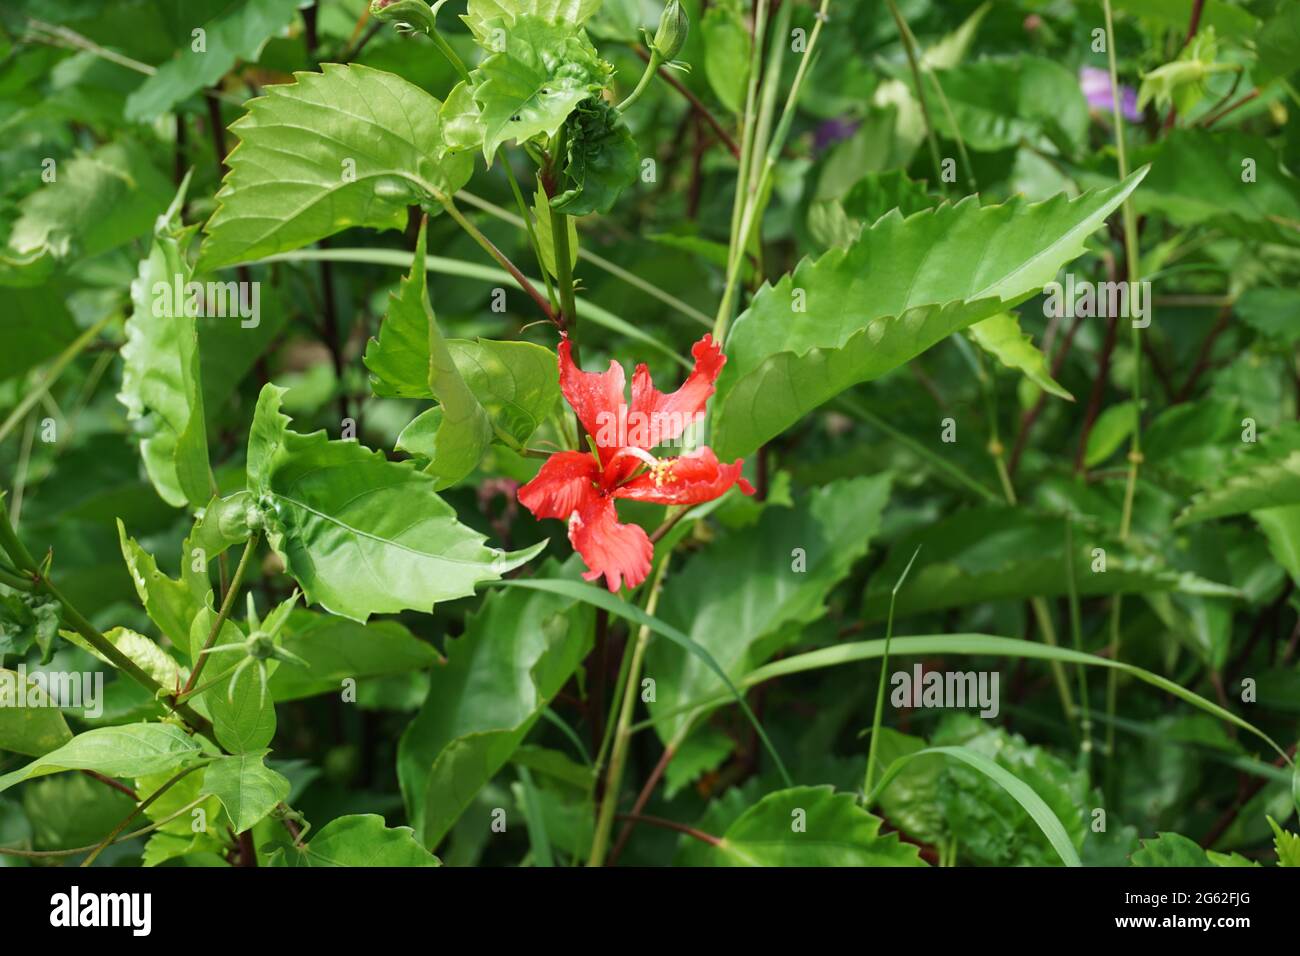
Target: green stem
880,689
227,604
499,256
1135,442
112,834
21,557
736,246
564,271
52,374
527,220
651,68
600,262
914,64
1076,633
623,733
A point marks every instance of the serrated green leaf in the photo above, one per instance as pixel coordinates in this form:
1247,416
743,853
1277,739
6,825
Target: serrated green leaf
1287,845
530,87
238,32
816,543
130,751
481,14
515,655
810,826
169,604
1258,479
600,160
362,535
350,146
358,840
1001,337
904,285
161,381
1170,849
246,787
464,429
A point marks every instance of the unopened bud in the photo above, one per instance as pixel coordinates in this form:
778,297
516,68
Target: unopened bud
674,25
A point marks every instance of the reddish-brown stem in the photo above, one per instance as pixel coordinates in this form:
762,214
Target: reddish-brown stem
696,104
110,782
700,835
1203,355
1098,389
1211,120
642,799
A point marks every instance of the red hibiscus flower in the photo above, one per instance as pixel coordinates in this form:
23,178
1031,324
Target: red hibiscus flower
580,487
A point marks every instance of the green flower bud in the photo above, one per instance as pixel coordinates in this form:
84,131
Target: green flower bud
407,15
674,25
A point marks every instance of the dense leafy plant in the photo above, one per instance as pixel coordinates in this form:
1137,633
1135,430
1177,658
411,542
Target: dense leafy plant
985,323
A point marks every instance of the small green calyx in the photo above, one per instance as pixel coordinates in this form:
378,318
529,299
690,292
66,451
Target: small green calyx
408,16
674,26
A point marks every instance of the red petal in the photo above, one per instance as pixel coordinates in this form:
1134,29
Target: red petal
689,480
562,485
657,418
598,399
621,552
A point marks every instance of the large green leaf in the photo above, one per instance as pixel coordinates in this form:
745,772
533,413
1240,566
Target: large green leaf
810,826
130,751
246,787
1198,176
35,727
358,840
237,33
779,573
350,146
530,87
410,333
161,380
336,649
481,14
97,202
515,655
362,535
904,285
993,553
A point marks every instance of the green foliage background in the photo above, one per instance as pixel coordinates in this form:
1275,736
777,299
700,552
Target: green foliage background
867,208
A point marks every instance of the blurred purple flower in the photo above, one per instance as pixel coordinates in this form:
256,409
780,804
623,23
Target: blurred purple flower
833,131
1095,84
